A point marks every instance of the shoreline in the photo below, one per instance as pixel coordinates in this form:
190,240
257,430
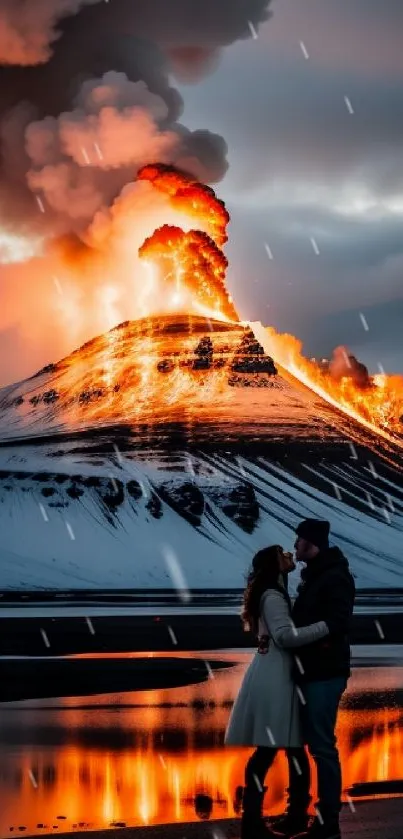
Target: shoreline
378,817
52,678
46,636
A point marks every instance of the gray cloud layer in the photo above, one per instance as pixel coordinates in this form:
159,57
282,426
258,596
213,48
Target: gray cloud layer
302,166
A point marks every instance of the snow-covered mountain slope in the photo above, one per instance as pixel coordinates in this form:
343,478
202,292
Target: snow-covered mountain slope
168,453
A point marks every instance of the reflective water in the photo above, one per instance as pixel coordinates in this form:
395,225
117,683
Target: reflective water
150,757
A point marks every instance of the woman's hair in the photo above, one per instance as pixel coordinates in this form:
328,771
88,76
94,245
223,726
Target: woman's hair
264,574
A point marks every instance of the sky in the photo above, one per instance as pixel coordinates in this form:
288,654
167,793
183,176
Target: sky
310,105
303,167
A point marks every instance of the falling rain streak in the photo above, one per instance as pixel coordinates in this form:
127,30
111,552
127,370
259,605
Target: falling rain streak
353,450
58,286
379,630
304,49
172,635
90,626
40,203
32,778
176,574
270,736
348,105
70,531
44,513
209,670
337,491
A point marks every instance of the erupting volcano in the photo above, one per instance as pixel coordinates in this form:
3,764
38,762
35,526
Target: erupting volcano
186,427
193,266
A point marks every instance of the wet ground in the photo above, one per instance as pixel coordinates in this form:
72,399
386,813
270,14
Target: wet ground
369,820
156,756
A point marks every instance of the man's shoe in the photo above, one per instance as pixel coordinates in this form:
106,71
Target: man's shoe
289,823
319,829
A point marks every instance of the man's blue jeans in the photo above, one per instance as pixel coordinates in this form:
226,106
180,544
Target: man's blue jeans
319,716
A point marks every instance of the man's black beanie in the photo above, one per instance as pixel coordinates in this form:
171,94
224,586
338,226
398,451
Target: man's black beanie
314,531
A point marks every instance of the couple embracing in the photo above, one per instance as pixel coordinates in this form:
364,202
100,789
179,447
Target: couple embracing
291,692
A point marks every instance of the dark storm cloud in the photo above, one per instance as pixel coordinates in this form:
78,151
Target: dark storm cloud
298,127
302,166
29,33
74,40
359,261
342,239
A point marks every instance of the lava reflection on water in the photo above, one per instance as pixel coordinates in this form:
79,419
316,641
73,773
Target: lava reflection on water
146,758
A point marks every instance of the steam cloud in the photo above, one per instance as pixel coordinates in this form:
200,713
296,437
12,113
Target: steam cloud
344,365
90,101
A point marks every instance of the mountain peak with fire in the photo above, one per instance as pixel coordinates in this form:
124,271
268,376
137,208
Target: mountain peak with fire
182,434
187,376
172,370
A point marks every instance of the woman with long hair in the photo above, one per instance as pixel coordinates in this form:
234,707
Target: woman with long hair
266,711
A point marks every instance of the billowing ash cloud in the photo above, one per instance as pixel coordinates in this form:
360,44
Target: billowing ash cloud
86,99
27,29
344,365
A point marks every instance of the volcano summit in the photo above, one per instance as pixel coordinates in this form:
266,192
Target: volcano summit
178,436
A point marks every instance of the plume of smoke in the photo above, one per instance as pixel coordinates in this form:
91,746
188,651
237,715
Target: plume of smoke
86,98
345,365
102,70
191,33
28,29
80,159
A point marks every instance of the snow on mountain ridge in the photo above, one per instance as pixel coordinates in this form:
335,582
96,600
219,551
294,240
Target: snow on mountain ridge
110,530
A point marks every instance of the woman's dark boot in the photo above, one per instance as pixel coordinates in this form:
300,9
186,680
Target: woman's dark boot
295,819
290,824
253,825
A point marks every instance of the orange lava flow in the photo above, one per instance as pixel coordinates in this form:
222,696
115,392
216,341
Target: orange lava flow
378,405
191,262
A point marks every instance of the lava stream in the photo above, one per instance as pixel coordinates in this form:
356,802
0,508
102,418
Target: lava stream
287,354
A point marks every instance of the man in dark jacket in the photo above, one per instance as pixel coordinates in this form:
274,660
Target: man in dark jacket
326,592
